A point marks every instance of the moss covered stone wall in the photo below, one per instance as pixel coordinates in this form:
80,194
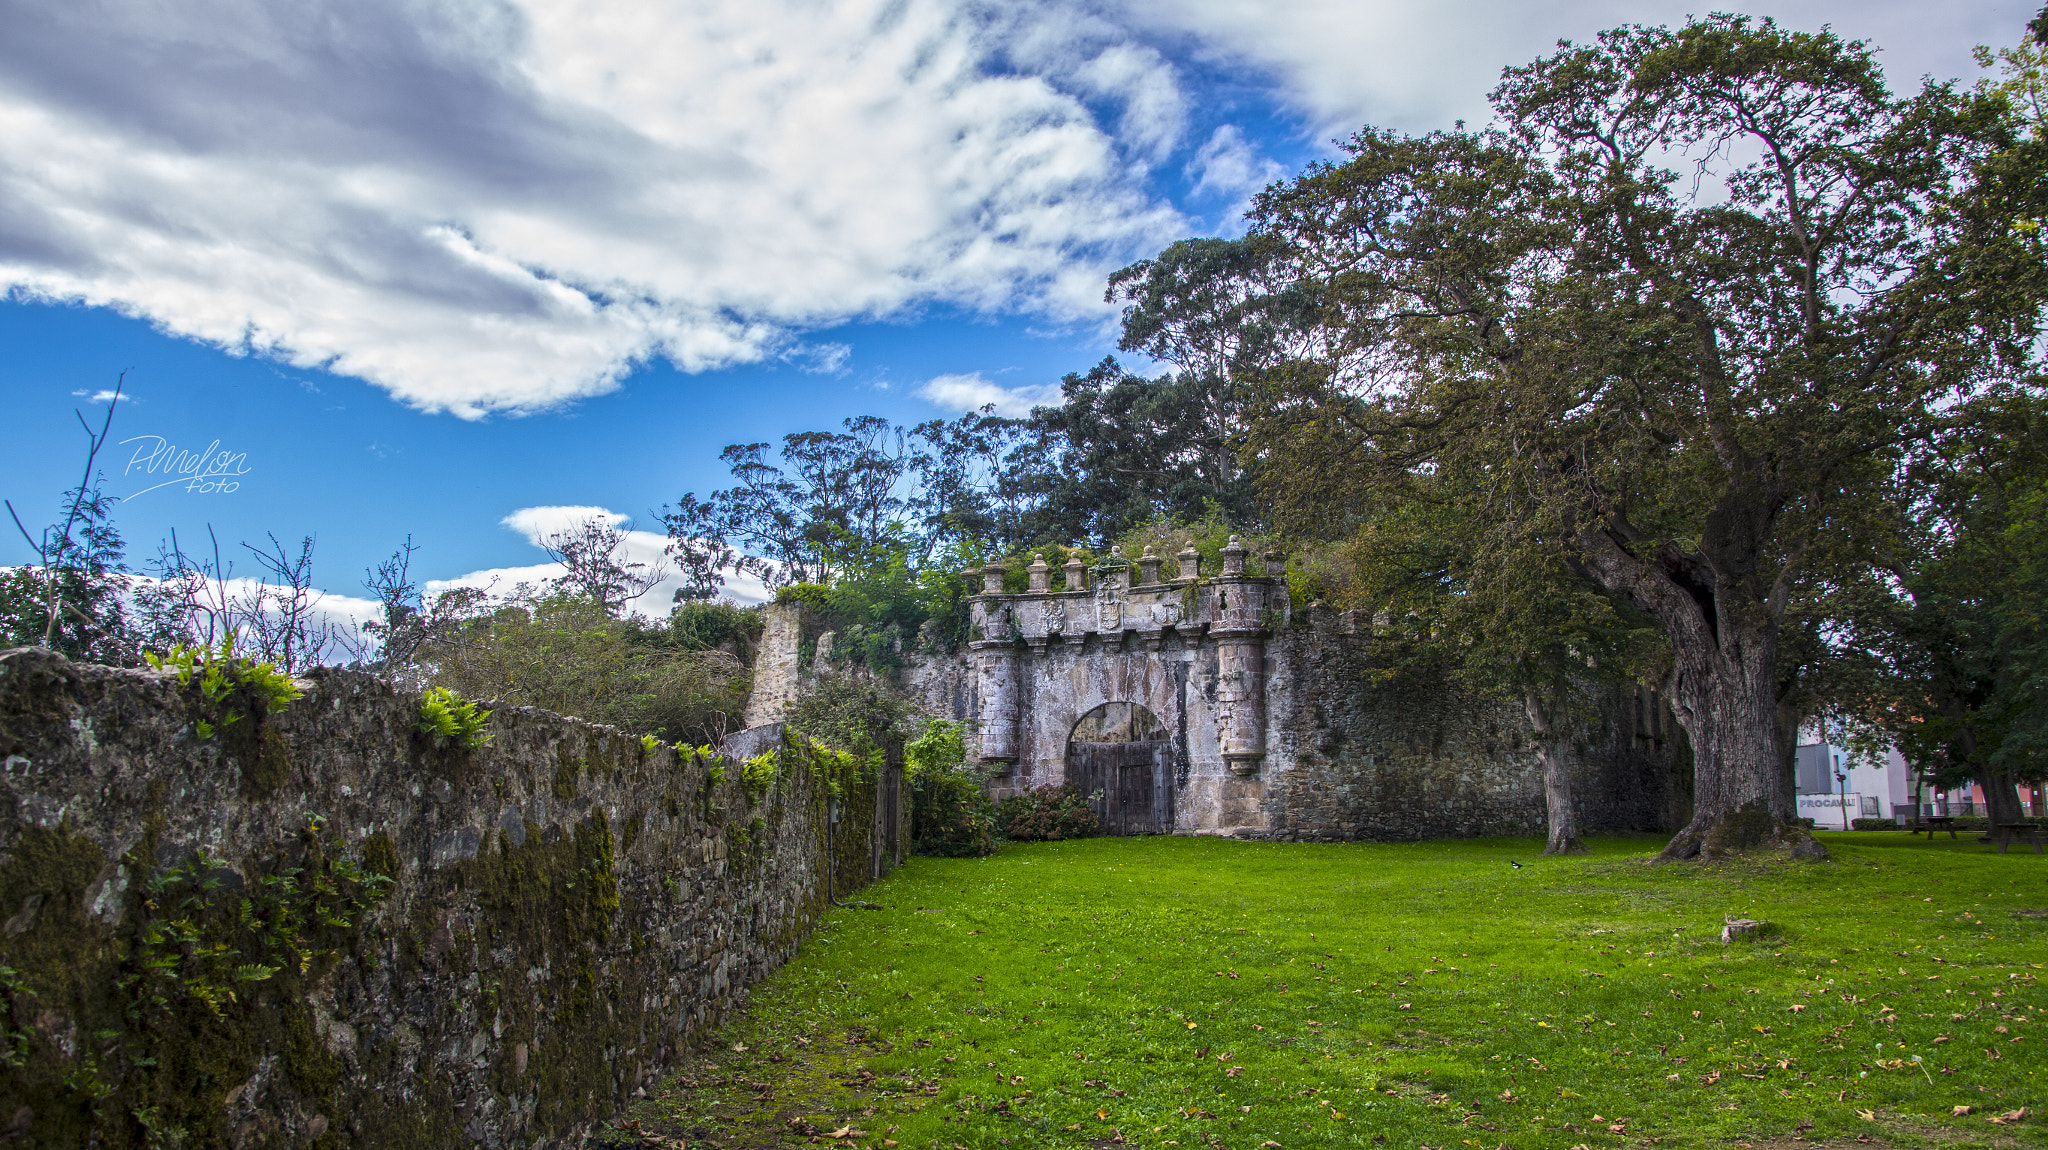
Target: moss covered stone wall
227,926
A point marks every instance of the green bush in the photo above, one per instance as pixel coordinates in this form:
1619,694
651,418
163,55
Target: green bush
703,626
1875,824
950,813
859,714
1045,813
568,654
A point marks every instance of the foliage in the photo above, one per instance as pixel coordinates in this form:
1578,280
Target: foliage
206,941
70,599
1046,813
1951,622
1690,391
699,625
1121,450
855,713
451,718
950,812
1443,997
573,656
758,773
220,674
787,523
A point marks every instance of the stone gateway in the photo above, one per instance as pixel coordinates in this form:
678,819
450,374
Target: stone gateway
1211,704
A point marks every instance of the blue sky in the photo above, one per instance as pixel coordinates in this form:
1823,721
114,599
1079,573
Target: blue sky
416,267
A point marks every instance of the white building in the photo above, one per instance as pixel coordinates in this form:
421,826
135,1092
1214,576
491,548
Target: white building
1832,785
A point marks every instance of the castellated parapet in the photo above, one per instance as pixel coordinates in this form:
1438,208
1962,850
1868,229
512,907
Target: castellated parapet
1190,652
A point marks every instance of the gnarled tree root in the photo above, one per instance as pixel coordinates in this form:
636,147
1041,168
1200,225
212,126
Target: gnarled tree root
1748,830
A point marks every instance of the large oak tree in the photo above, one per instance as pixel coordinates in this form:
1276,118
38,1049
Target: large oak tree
1682,313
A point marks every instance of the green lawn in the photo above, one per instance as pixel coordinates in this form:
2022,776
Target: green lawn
1196,992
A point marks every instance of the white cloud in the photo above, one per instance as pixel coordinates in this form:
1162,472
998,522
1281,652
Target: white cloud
971,393
648,547
818,358
1227,167
1414,66
539,524
505,204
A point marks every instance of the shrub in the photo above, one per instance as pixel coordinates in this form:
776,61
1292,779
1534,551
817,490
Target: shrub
702,626
950,814
1047,812
855,712
1875,824
569,655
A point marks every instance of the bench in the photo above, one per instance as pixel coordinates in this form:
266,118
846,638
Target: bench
2008,831
1933,823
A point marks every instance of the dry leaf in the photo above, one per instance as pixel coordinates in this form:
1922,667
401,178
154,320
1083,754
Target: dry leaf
1959,1111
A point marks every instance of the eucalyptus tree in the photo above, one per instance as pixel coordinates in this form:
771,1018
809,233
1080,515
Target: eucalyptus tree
1686,381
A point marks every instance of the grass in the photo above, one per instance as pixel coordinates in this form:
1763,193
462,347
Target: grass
1197,992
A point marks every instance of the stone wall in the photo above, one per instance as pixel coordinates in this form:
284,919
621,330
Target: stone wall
1362,755
1350,752
223,925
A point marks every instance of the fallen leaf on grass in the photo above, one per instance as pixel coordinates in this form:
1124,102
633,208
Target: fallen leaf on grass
1867,1115
2009,1116
847,1132
1959,1111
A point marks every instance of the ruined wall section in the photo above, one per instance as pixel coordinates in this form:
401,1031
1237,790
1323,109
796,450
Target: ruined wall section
1350,753
200,953
1360,755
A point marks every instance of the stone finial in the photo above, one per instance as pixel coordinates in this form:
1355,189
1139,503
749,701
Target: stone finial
1233,557
1190,561
1148,567
1041,574
1077,573
973,577
1276,563
992,578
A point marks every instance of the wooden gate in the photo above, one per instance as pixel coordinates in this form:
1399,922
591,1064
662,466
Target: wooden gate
1129,785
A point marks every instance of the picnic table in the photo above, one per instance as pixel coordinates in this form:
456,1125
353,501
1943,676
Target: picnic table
1933,823
2007,831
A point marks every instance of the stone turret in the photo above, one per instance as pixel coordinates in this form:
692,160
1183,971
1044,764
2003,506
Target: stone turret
1240,634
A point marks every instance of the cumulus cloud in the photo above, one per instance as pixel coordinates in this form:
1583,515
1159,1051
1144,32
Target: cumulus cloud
972,393
506,204
538,524
1414,66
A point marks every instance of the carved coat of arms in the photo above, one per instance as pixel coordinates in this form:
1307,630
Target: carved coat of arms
1054,615
1109,610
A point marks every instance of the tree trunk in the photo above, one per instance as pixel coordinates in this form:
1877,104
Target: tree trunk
1723,689
2001,795
1557,785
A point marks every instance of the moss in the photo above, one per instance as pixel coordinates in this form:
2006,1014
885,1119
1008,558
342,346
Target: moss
1740,831
380,856
142,1030
566,770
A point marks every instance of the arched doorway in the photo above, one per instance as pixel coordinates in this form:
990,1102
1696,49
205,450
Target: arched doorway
1121,756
